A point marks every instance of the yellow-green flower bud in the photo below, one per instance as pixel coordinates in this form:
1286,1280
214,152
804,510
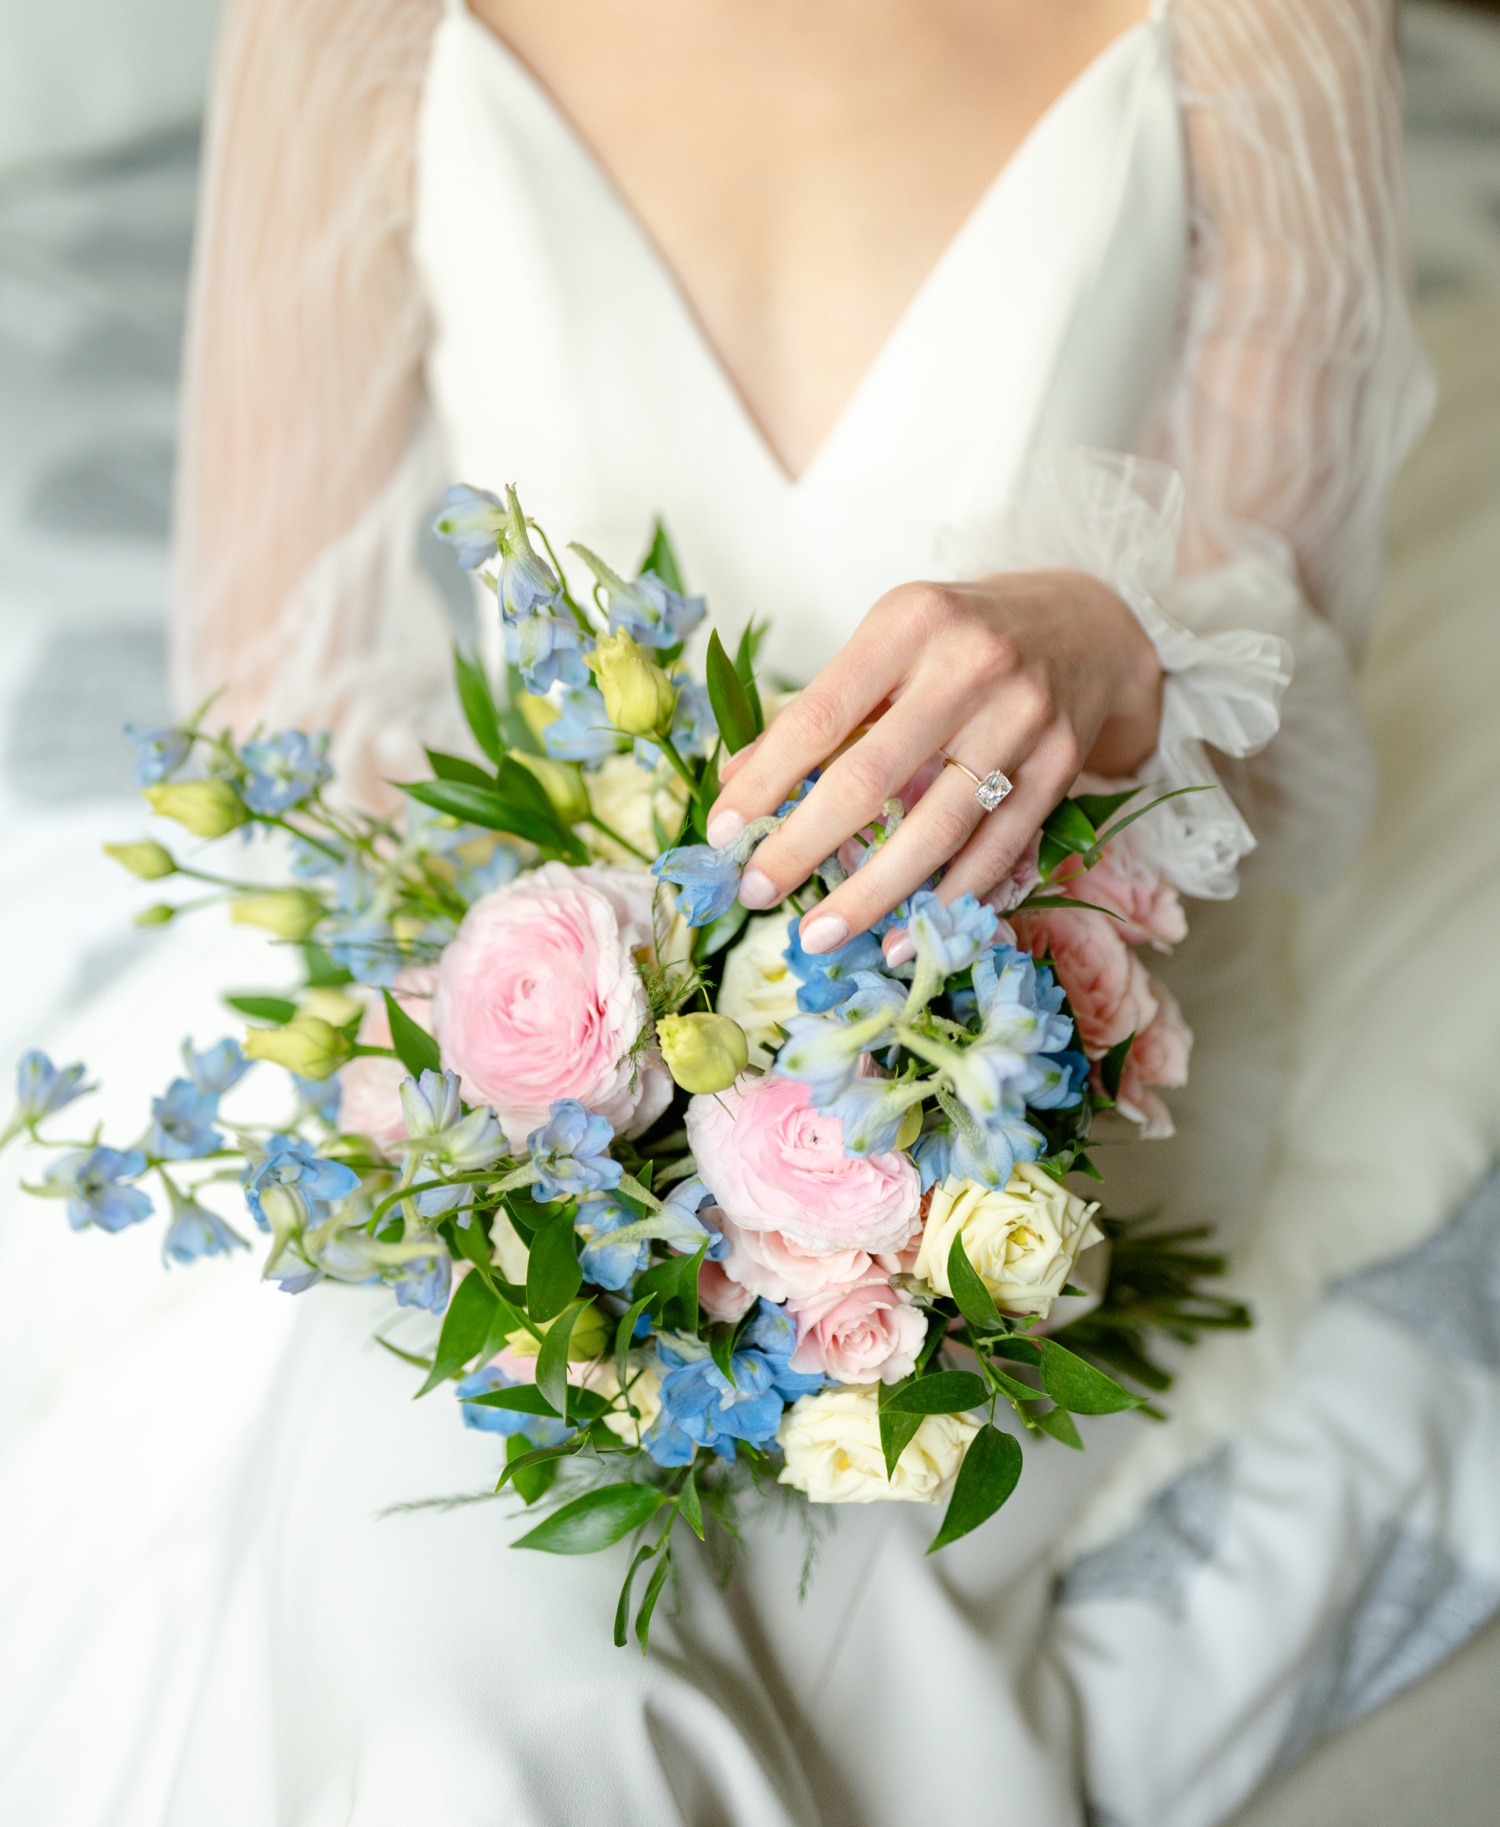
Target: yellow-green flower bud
335,1006
536,712
588,1339
156,916
911,1127
703,1052
639,698
307,1045
209,808
562,782
150,861
290,913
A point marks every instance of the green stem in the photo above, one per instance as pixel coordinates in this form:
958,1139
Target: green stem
669,749
615,837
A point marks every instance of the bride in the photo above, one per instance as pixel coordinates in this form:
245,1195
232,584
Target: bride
1040,369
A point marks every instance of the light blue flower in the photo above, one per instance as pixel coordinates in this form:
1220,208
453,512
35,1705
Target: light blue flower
570,1154
471,522
158,753
646,610
182,1123
502,865
871,996
608,1265
321,1097
293,1169
951,938
872,1111
582,730
684,1202
540,1430
285,770
363,944
546,649
826,978
217,1068
431,1103
425,1281
196,1232
707,880
694,729
42,1089
90,1179
1055,1081
1020,1003
823,1053
965,1151
772,1334
701,1407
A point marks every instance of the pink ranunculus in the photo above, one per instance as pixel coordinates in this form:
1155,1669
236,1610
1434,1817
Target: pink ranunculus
539,997
1158,1056
370,1089
1129,885
721,1298
859,1335
1110,991
773,1163
766,1263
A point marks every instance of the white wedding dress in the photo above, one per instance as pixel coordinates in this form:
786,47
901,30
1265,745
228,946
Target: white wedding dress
207,1614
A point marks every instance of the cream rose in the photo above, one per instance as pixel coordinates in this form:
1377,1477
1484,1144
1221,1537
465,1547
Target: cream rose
643,1393
1022,1240
624,795
758,990
832,1447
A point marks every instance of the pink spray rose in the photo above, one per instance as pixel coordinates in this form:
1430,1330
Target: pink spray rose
1128,885
859,1335
370,1089
773,1164
1109,989
1158,1056
539,997
721,1298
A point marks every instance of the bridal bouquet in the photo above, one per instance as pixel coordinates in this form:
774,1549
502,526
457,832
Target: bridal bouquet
696,1209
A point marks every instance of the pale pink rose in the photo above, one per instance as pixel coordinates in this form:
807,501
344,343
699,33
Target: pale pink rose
721,1298
370,1089
1108,988
1025,875
774,1164
1128,885
539,997
1158,1056
859,1335
767,1263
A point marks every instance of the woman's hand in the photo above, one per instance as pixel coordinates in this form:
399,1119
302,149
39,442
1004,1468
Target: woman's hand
1037,674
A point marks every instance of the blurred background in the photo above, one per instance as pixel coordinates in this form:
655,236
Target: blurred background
100,104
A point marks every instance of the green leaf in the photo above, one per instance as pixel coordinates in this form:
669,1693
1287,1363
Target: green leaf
1019,1351
466,1326
744,666
517,805
1112,1066
625,1332
689,1505
515,731
406,1357
662,559
648,1604
527,1399
973,1298
1066,831
732,708
1013,1387
1099,808
539,1455
1161,799
262,1008
986,1478
478,703
454,767
553,1276
1059,1423
948,1392
897,1430
533,1480
596,1520
322,972
622,1610
1073,1384
415,1047
552,1359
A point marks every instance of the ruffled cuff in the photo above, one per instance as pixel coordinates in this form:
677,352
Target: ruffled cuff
1119,518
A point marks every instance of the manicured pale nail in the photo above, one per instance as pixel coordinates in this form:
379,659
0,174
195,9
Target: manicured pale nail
758,890
724,827
825,934
899,948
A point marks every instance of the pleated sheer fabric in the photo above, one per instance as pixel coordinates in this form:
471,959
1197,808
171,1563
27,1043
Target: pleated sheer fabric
1298,386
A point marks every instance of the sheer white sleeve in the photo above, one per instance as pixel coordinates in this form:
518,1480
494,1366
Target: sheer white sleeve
305,464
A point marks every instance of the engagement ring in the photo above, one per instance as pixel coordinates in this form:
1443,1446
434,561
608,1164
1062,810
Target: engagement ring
989,791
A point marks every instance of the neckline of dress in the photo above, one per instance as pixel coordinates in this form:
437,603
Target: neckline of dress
582,150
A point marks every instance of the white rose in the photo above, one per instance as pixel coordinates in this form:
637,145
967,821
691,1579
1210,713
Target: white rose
643,1393
758,990
1022,1240
624,795
832,1447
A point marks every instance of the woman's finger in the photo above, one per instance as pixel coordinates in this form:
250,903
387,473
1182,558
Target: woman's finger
1001,841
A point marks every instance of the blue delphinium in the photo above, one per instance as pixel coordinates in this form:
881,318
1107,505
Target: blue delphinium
684,1203
582,730
608,1265
541,1430
425,1281
700,1406
42,1089
965,1150
502,865
285,770
824,979
707,880
471,523
320,1097
158,753
951,938
216,1069
872,1111
546,649
196,1232
647,610
570,1153
292,1169
90,1180
182,1123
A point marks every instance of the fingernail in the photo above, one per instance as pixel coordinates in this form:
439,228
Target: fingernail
724,827
825,934
899,948
758,890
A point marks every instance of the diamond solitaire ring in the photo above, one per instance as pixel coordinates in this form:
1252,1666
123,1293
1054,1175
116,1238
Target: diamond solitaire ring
989,791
